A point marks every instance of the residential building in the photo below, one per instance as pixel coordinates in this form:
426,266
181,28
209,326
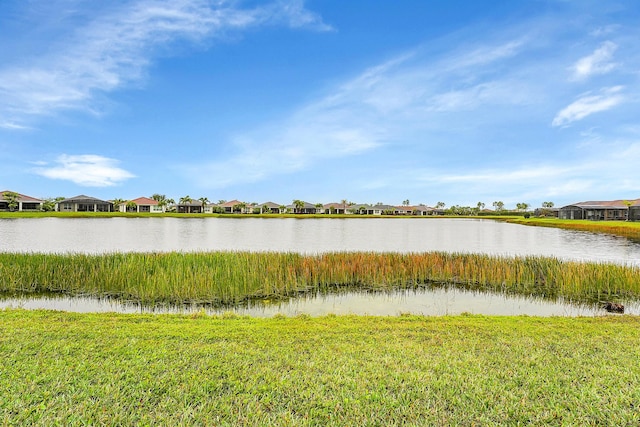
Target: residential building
25,203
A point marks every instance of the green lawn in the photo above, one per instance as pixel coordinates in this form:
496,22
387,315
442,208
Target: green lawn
108,369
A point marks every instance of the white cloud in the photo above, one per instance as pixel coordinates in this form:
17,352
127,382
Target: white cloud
599,62
116,49
87,170
587,105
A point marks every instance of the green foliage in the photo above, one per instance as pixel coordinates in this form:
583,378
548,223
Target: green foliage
108,369
231,277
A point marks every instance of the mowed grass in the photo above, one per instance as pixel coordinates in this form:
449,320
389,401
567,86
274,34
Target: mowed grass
232,277
109,369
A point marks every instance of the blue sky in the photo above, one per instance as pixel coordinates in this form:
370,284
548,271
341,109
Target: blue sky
370,101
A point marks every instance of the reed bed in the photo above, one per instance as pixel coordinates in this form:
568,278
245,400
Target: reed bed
232,277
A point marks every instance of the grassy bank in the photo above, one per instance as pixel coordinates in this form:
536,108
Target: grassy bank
628,229
108,369
228,277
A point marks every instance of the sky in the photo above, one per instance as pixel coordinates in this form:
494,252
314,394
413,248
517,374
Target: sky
450,101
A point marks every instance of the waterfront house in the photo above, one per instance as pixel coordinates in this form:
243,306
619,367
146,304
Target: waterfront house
84,203
193,206
334,208
271,208
142,205
24,203
307,208
615,210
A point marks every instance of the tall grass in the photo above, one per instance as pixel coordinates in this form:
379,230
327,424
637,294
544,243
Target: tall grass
230,277
629,229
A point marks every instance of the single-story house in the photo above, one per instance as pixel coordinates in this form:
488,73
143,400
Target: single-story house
271,207
307,208
599,210
193,206
84,203
335,208
23,203
142,204
236,206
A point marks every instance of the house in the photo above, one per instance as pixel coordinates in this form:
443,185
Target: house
236,206
423,210
192,206
84,203
380,209
634,211
334,208
305,208
142,204
24,203
599,210
271,208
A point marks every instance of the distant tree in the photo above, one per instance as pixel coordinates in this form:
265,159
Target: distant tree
440,205
299,204
498,205
344,203
522,206
283,209
185,201
480,206
319,207
162,200
547,204
222,201
204,202
405,202
239,207
49,204
12,199
628,204
117,203
131,206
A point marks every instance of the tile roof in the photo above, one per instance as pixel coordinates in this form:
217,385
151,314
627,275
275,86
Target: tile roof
21,197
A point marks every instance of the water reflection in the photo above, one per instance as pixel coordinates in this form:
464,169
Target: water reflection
428,302
311,235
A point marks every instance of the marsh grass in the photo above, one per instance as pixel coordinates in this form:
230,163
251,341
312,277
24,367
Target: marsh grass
232,277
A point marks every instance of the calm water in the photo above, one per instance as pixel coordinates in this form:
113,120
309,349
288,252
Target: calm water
101,235
428,302
104,235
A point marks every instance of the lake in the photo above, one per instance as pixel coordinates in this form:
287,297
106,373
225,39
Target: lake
318,235
312,235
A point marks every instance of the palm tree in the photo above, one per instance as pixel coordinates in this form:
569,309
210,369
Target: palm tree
12,200
299,204
204,202
405,202
117,203
131,206
185,201
344,205
318,207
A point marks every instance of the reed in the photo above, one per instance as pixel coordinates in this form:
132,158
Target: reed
232,277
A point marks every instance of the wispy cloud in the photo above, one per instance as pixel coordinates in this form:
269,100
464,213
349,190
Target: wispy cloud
589,104
599,62
376,108
87,170
117,48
